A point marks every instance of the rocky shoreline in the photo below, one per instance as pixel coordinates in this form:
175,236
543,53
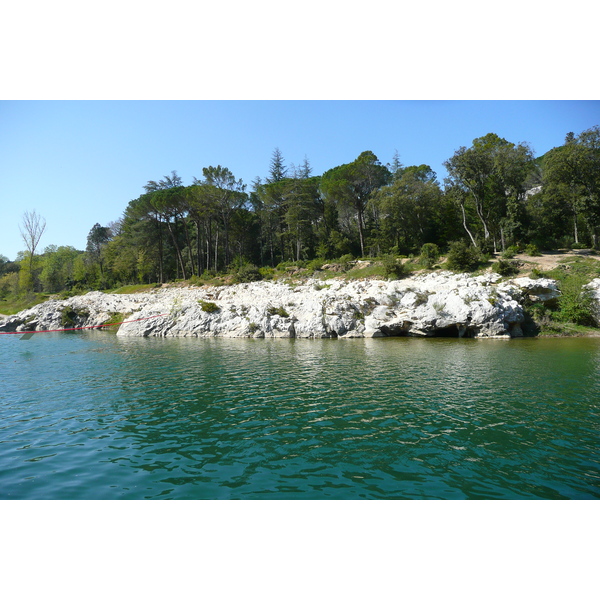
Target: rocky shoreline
425,305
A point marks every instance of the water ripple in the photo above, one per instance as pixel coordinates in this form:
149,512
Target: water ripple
96,416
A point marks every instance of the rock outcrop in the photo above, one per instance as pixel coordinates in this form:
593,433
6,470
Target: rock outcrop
434,304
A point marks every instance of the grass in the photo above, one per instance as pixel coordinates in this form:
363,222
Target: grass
116,318
12,305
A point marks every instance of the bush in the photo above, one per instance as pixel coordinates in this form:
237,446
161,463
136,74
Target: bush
510,252
532,250
315,265
73,317
576,303
486,246
209,307
267,272
247,273
430,254
345,261
392,269
505,267
462,257
278,311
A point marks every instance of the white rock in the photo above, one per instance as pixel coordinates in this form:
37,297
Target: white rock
425,305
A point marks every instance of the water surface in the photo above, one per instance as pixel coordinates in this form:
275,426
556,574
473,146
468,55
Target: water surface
94,416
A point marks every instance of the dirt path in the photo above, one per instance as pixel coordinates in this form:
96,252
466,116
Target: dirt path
550,260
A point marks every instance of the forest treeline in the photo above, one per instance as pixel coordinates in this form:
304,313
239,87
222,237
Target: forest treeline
497,195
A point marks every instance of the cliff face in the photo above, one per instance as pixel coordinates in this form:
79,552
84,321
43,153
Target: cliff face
434,304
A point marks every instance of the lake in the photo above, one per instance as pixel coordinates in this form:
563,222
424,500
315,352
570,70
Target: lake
89,415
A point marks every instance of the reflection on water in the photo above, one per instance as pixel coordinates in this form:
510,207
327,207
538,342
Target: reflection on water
97,416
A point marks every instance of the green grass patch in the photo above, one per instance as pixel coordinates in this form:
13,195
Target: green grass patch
376,270
116,318
12,305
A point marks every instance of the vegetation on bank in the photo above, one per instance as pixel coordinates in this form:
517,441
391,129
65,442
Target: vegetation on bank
361,219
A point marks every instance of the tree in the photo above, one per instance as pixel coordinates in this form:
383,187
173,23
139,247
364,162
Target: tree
572,176
277,169
58,268
226,194
406,208
97,239
351,185
167,200
491,171
34,226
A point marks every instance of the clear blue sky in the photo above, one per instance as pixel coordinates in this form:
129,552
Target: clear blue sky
78,163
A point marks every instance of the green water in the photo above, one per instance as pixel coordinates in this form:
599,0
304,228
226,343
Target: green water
94,416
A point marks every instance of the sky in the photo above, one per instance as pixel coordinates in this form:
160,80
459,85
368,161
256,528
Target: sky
77,163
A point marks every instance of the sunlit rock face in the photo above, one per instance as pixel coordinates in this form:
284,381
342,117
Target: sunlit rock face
434,304
594,288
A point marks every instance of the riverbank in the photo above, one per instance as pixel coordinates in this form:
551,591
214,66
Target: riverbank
434,304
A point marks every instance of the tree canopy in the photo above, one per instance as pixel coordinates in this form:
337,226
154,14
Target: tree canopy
496,195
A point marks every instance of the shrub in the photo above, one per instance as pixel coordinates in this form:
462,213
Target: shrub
576,302
73,317
115,318
267,272
430,254
209,307
505,267
315,265
462,257
392,269
247,273
532,250
345,261
278,311
510,252
486,246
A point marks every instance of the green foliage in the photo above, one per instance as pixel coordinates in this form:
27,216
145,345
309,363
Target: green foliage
116,318
360,272
345,262
506,268
392,267
280,311
247,273
267,272
175,232
73,317
462,257
532,250
209,307
575,303
430,254
315,265
510,252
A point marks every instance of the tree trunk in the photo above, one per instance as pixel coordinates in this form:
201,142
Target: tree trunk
177,250
464,214
360,232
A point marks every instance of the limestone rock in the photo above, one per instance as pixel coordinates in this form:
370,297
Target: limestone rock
539,290
425,305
